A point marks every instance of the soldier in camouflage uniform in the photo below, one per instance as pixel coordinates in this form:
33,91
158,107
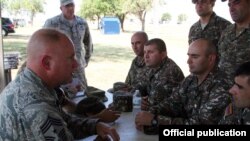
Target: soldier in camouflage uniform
241,96
29,106
200,99
77,29
209,25
138,68
163,76
234,44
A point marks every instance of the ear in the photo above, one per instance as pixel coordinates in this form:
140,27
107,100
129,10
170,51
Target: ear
46,62
212,58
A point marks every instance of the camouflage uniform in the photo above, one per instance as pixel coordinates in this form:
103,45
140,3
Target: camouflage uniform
137,72
212,30
30,111
79,33
233,50
162,80
242,118
191,103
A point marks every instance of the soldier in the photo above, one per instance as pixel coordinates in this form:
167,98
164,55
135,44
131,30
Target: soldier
163,76
138,69
209,25
29,105
200,99
77,29
241,96
234,44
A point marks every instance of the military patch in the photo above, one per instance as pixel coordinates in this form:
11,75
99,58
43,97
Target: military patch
53,129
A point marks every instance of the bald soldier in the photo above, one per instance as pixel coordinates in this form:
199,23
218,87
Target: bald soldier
29,106
138,69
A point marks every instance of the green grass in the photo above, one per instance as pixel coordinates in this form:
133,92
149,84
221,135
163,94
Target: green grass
112,54
109,52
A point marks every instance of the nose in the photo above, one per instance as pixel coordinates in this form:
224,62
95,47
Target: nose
232,90
75,64
188,60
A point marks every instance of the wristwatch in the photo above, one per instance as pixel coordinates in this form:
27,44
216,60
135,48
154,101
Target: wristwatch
154,121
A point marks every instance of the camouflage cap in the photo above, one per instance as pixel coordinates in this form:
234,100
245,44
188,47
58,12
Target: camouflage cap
66,2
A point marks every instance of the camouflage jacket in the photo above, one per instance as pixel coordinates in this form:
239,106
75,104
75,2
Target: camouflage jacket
233,50
191,103
30,111
237,117
78,31
137,72
212,30
162,80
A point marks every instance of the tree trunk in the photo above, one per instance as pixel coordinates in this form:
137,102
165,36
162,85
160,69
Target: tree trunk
142,18
122,18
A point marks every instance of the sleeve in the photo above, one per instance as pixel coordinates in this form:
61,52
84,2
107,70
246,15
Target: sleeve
128,79
169,107
190,35
81,127
211,110
88,45
45,122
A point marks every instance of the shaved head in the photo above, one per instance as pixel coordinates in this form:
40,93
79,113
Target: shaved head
50,51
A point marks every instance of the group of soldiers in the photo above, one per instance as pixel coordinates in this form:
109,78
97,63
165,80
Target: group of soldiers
217,91
216,49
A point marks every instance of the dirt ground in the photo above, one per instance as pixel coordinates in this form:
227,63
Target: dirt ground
103,74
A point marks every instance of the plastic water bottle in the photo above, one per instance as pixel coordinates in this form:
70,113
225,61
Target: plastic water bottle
136,98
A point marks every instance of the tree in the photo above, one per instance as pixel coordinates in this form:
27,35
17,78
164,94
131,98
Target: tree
92,9
166,17
182,18
33,6
139,8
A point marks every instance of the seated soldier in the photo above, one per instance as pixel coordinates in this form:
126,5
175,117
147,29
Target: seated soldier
240,92
200,99
138,68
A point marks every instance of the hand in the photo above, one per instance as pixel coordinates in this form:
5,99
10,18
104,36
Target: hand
144,103
107,115
103,130
143,118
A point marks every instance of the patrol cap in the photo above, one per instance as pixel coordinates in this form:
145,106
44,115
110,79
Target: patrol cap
66,2
194,1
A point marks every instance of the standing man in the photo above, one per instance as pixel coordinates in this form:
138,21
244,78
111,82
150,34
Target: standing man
209,25
241,95
77,29
200,99
234,47
234,44
29,105
138,68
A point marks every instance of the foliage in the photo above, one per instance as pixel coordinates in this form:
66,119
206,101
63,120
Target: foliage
181,18
95,9
33,6
166,17
139,8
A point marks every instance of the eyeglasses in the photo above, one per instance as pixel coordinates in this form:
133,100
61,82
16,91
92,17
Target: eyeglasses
234,2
